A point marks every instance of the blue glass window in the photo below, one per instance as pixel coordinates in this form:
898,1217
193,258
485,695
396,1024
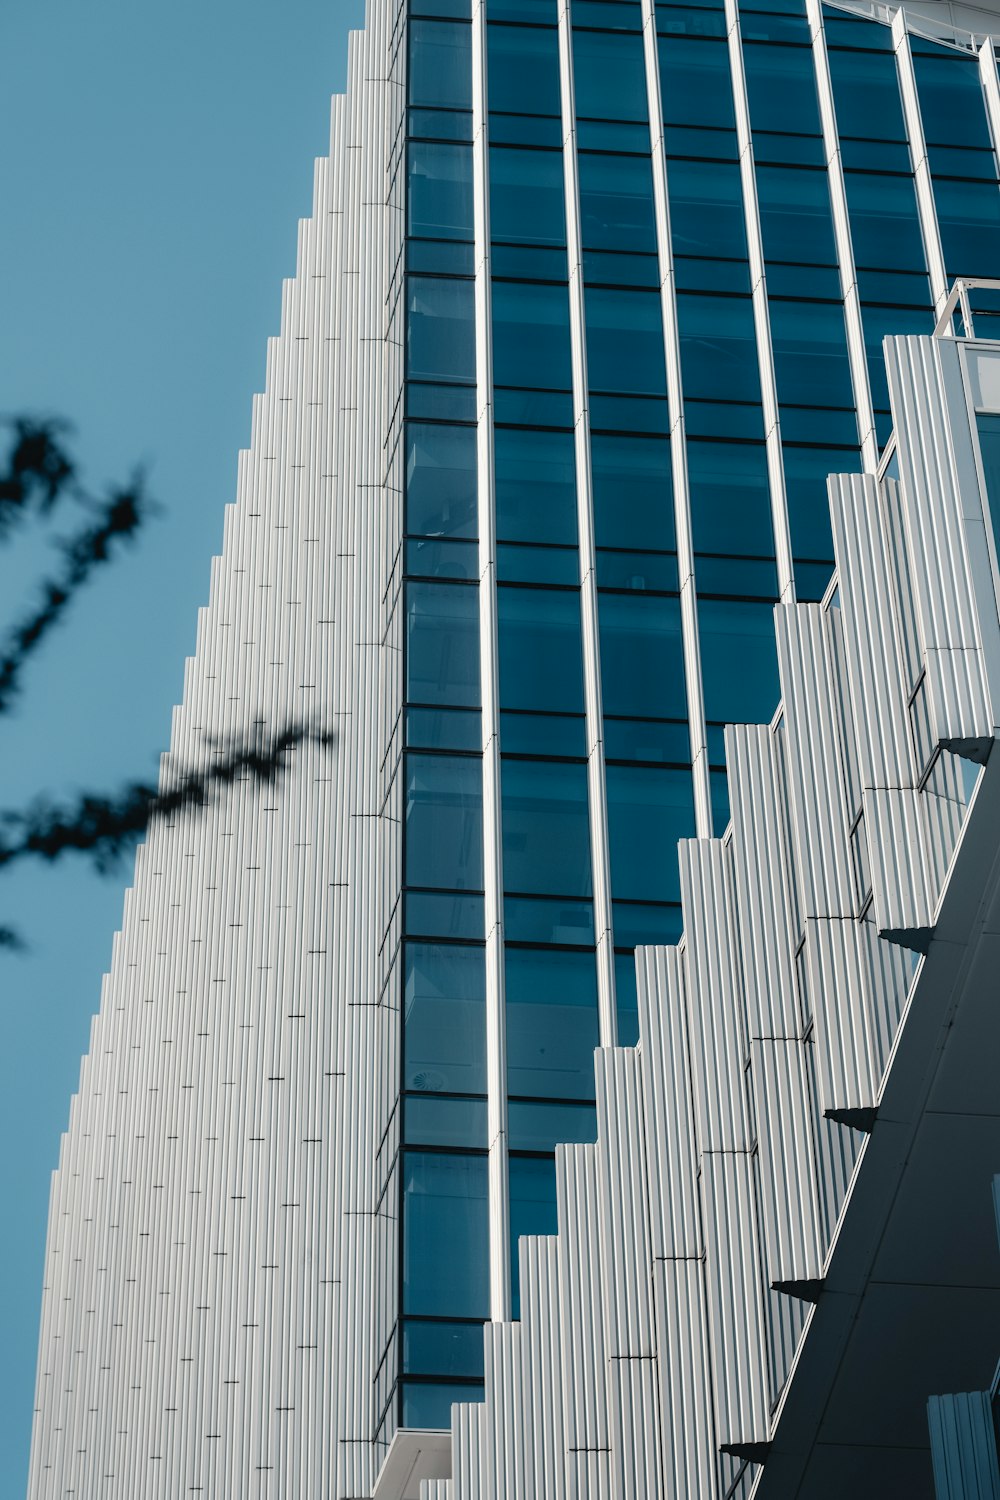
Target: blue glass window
806,471
969,219
536,1125
546,828
795,217
866,95
444,1025
535,486
633,493
551,1023
731,631
625,342
609,76
718,348
532,1210
695,82
440,330
432,1119
445,1235
531,335
781,88
730,498
642,659
428,1404
616,202
439,197
527,197
810,353
523,70
626,999
648,811
952,107
444,822
440,64
442,1348
885,228
706,208
541,658
440,480
442,644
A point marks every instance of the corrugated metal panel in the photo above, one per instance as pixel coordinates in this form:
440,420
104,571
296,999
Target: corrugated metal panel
581,1279
868,613
686,1412
793,1242
964,1447
837,977
467,1420
715,1019
626,1257
735,1300
502,1429
636,1426
768,921
904,889
541,1344
436,1489
816,794
671,1153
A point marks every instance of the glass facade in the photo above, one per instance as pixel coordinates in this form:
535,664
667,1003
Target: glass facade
639,402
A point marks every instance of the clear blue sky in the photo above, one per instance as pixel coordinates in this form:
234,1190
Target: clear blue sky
154,161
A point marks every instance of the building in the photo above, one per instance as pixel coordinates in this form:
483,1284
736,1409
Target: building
588,308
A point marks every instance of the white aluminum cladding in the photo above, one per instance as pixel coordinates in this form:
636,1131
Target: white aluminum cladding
208,1274
660,1325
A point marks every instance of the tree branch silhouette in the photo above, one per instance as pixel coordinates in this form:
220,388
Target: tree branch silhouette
106,827
38,473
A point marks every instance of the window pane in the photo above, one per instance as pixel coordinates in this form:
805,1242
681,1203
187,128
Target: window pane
642,659
444,822
806,471
546,831
428,1404
626,999
795,218
951,99
444,1035
969,218
527,197
441,1348
730,498
441,64
648,811
429,1120
544,1126
718,348
988,424
523,70
531,335
730,631
695,82
541,656
439,200
445,1235
609,76
781,88
878,322
706,208
551,1023
442,644
616,202
633,492
811,367
866,94
885,229
440,330
440,480
536,486
625,342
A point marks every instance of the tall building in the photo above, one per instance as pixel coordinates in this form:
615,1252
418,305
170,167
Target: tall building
591,302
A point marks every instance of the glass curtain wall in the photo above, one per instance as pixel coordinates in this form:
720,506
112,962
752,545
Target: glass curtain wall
551,979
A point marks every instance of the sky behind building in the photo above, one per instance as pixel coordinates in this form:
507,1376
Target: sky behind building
152,168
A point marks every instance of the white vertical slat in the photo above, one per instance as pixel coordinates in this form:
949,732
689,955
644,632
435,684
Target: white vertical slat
600,855
496,1030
